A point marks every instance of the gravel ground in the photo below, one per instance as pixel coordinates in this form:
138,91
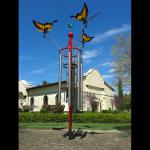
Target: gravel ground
33,139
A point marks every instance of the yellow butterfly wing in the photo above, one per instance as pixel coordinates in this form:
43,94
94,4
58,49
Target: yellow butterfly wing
86,38
84,12
38,25
47,27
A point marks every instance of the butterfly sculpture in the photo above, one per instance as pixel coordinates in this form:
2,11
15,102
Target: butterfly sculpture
45,28
82,16
85,38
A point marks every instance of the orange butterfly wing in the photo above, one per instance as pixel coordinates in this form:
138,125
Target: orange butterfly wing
39,26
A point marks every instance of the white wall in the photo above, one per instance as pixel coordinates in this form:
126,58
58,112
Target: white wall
39,93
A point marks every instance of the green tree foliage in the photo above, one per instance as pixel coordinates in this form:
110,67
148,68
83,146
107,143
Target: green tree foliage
127,101
44,83
120,88
119,101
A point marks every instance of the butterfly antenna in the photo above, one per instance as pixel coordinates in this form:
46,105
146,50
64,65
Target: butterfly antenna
85,25
92,17
82,45
44,35
54,21
72,16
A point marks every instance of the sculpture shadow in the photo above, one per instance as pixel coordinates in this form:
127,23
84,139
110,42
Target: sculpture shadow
78,133
58,128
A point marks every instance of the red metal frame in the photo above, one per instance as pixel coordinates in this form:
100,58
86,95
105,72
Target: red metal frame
70,47
70,35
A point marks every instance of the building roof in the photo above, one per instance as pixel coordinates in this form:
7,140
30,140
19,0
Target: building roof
46,85
109,86
89,71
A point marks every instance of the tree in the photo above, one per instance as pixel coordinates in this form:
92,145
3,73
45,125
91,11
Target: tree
118,102
118,99
122,53
44,83
127,101
120,94
120,89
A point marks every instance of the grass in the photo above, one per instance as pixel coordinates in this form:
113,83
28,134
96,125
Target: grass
90,126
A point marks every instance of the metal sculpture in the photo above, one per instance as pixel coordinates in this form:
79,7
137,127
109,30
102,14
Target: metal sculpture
82,16
85,38
45,28
70,59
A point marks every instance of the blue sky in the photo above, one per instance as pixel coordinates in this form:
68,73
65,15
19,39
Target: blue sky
38,57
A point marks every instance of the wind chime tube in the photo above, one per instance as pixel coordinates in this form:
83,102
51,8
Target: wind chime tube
60,78
69,79
81,77
79,87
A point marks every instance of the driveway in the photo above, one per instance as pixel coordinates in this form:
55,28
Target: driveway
34,139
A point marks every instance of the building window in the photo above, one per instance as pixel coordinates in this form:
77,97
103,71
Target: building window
45,100
56,99
32,103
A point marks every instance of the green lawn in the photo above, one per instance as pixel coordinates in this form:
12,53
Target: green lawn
95,126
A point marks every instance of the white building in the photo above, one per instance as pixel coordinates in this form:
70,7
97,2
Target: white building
23,85
93,83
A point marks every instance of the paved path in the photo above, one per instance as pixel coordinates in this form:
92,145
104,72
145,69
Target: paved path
32,139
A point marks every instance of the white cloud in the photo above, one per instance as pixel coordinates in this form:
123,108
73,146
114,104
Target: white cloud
39,71
87,61
106,76
111,70
90,54
25,57
110,64
111,32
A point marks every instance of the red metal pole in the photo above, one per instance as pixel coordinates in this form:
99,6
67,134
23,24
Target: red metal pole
70,35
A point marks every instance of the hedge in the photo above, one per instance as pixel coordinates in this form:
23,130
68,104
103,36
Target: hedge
28,117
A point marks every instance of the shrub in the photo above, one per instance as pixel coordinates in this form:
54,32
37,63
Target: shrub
44,109
117,111
26,108
20,109
56,108
106,111
79,117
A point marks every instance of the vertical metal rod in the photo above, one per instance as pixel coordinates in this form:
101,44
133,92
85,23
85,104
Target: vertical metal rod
79,87
69,80
60,78
81,76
